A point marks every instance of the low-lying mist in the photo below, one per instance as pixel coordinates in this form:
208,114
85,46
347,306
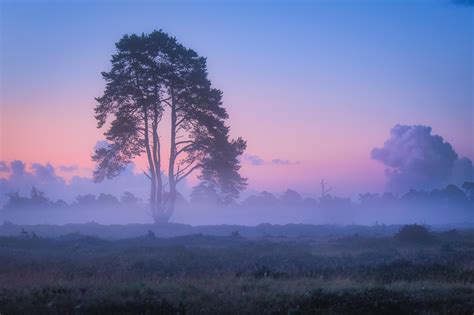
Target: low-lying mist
451,205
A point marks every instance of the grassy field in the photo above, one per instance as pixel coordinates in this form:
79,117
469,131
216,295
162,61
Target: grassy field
410,272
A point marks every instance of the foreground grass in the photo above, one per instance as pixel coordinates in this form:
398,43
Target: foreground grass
244,296
233,275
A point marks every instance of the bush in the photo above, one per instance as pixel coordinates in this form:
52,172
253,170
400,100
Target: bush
414,234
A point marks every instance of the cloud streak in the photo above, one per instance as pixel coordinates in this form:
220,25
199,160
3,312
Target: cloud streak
255,160
68,168
284,162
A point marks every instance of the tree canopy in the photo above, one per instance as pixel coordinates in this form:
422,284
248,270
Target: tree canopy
150,74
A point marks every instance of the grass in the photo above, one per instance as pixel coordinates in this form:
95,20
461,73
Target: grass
201,274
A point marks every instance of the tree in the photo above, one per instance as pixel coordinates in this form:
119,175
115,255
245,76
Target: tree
469,188
262,200
205,194
369,199
414,234
152,74
38,198
107,200
291,198
453,193
129,199
86,200
15,201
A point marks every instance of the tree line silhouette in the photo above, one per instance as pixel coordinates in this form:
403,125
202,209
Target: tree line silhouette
207,197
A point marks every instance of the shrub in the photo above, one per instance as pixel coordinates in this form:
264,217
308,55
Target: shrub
414,234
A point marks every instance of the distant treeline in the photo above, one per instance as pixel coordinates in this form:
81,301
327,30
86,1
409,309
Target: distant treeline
290,198
451,204
38,200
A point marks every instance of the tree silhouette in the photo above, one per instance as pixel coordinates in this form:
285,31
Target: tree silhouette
86,200
469,188
205,194
151,74
38,197
129,199
291,197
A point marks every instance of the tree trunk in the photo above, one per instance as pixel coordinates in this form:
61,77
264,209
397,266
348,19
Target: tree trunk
171,176
157,170
153,204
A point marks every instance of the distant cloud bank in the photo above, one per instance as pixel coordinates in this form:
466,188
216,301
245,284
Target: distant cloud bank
417,159
19,177
68,168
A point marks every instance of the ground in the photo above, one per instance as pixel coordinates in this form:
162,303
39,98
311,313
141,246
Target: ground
338,272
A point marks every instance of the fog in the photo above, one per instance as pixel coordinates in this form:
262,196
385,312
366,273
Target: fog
451,205
427,182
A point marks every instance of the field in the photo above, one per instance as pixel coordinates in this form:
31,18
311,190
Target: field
412,271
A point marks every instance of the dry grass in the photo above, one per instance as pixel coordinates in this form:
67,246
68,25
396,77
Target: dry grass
228,275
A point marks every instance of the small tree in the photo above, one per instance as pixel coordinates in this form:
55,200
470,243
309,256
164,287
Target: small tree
129,199
291,198
205,194
107,200
414,234
38,198
469,188
15,201
86,200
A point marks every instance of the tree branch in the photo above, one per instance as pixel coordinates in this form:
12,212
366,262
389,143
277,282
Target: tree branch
180,121
178,179
184,141
166,101
184,148
146,174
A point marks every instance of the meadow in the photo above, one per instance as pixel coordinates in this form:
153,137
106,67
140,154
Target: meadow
412,271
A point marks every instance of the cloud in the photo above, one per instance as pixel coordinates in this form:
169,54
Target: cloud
46,173
254,160
284,162
18,168
21,179
68,168
4,167
417,159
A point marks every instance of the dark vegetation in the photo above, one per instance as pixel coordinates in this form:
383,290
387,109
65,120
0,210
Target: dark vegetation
449,205
409,269
152,74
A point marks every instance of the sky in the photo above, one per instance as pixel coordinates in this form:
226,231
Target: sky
313,86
